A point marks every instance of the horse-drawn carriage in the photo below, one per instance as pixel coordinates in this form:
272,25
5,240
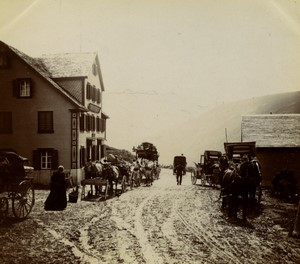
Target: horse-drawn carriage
235,151
207,170
147,156
243,177
15,185
103,176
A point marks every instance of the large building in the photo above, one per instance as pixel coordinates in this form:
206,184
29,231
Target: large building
51,110
277,140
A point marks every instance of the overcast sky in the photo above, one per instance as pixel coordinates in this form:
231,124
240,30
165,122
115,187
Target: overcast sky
167,60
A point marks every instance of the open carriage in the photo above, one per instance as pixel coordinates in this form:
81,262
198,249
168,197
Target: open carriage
205,169
16,186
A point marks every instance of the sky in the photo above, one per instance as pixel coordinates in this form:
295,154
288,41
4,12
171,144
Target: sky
165,62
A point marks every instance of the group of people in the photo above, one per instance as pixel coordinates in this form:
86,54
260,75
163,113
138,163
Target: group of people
144,168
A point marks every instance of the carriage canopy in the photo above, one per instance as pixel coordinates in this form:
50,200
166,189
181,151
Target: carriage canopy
179,160
147,151
236,150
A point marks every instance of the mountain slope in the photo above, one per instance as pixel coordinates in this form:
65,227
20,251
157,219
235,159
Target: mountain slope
207,132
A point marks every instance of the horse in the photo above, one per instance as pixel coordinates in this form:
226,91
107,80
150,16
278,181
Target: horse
92,170
240,182
112,174
231,189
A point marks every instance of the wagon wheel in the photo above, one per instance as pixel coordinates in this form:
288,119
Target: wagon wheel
23,200
193,178
3,209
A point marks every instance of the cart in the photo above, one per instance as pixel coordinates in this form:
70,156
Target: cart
101,183
16,186
205,171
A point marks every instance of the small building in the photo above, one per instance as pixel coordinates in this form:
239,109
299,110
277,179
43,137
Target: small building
51,110
277,138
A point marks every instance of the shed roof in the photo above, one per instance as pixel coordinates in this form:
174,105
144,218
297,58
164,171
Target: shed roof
273,130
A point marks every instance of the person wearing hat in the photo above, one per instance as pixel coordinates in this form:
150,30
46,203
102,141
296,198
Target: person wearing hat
57,198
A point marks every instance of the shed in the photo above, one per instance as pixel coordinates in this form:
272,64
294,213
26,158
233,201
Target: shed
277,138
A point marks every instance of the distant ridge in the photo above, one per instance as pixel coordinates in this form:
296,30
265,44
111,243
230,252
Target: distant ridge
207,132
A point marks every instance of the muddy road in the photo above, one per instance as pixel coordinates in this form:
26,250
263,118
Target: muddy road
164,223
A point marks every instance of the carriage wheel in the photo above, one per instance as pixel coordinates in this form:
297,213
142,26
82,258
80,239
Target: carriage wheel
193,178
23,200
3,209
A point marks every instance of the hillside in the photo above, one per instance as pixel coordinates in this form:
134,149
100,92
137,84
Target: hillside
208,130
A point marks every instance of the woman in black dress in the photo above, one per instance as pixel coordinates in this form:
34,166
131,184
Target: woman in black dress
57,199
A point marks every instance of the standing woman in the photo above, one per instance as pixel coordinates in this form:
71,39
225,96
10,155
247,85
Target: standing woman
57,198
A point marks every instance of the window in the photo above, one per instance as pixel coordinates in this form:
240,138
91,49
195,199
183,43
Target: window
45,159
23,88
5,122
3,60
45,122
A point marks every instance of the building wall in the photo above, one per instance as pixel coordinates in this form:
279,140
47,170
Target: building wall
25,137
275,159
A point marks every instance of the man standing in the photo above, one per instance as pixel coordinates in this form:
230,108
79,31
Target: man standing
179,170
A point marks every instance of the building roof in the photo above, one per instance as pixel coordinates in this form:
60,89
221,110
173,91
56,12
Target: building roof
273,130
38,66
68,64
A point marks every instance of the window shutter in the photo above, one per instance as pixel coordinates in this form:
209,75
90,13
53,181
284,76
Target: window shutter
15,88
98,96
88,91
31,88
36,159
81,122
54,159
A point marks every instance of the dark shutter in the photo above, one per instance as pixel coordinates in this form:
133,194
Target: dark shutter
82,156
36,159
54,159
15,88
31,88
98,96
81,122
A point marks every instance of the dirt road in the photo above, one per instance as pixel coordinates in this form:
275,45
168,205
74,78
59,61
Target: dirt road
164,223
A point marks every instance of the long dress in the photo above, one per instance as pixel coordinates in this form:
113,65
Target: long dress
57,198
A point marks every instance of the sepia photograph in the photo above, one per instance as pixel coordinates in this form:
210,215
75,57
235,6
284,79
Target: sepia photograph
150,131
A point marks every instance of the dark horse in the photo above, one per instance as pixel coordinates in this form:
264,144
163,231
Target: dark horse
242,183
